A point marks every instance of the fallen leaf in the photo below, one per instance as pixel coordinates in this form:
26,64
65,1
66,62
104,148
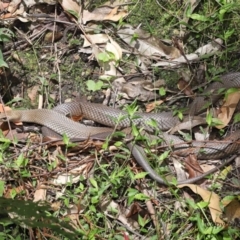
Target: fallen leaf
232,209
40,194
210,197
11,191
228,108
114,48
134,209
181,174
3,5
114,15
210,48
184,87
146,44
192,166
32,93
52,37
103,13
13,5
188,124
90,39
55,206
151,106
4,125
71,6
6,16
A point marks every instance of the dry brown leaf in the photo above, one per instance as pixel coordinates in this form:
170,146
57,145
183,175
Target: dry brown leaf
52,37
192,166
151,106
9,191
146,44
32,93
40,194
55,206
232,209
70,5
138,88
103,13
180,172
94,39
114,15
13,5
134,209
188,124
19,11
3,5
4,125
210,197
207,167
6,16
210,48
228,108
184,87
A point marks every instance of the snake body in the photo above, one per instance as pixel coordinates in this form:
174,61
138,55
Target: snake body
56,120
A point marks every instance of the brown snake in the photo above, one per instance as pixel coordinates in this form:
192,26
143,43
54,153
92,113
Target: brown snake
56,120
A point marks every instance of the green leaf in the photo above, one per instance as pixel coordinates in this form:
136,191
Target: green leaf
93,182
13,193
231,90
188,11
164,155
162,91
2,186
224,9
21,161
118,144
43,81
141,221
75,14
6,35
202,204
2,62
199,17
104,57
228,34
132,192
140,175
187,137
25,173
134,38
236,118
94,86
95,199
216,121
66,139
141,196
111,55
135,131
180,115
209,119
92,208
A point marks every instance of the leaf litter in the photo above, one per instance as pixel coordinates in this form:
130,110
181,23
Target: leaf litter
108,53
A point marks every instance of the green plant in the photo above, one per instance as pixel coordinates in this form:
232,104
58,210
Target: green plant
6,35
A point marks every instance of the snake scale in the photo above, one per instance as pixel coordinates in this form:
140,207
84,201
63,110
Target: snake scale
57,121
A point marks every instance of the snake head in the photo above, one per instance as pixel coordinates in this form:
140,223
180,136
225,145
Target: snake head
12,116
